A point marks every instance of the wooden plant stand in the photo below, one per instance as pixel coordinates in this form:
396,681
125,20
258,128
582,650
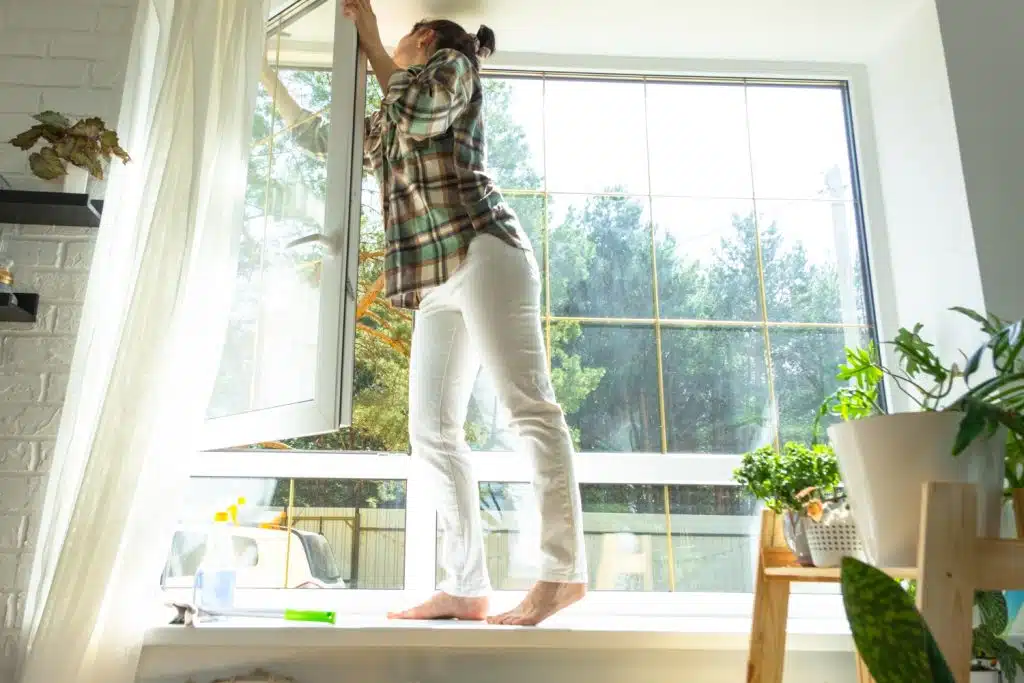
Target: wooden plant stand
953,562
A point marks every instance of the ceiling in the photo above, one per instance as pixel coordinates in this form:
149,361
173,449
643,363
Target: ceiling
804,30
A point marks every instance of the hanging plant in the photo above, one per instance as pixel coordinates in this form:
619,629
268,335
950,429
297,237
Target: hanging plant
87,143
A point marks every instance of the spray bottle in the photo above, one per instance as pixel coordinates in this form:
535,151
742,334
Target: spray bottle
215,580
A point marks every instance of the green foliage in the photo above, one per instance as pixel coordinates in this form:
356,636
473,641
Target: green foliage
776,478
999,400
86,144
987,641
1014,462
890,634
922,376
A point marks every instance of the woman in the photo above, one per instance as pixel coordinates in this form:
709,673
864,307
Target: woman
457,254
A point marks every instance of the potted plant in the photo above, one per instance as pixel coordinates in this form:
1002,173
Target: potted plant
895,643
829,527
885,458
779,478
72,151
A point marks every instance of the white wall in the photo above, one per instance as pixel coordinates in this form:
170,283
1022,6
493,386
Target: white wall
984,54
66,55
931,262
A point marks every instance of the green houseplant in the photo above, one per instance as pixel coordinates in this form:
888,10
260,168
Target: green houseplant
778,478
87,144
894,640
885,457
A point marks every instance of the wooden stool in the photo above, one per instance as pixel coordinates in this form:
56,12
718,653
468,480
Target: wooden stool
952,564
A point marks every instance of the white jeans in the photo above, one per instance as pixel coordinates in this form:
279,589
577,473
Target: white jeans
488,313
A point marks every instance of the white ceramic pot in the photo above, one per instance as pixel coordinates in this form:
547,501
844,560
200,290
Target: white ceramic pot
77,180
885,460
986,677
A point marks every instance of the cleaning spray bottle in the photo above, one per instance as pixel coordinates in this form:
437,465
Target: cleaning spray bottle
215,580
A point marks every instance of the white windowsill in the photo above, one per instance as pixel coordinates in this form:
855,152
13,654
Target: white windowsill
601,633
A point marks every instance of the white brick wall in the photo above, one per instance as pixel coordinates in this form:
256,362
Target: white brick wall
66,55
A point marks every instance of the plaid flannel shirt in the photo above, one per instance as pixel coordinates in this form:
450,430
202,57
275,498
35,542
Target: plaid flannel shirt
426,146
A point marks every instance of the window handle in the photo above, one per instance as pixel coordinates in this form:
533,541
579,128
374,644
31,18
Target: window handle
333,245
326,241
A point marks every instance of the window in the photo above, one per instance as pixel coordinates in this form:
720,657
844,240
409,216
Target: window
701,245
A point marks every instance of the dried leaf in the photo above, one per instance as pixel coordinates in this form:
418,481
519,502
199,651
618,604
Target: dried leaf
28,139
46,164
89,128
109,144
53,119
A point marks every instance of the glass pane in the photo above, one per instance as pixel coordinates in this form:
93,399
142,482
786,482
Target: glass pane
530,210
270,354
345,533
798,142
630,547
716,390
707,259
600,257
383,339
699,145
514,117
811,262
595,137
606,378
804,361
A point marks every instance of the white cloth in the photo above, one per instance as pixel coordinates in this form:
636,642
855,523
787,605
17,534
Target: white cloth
149,341
489,312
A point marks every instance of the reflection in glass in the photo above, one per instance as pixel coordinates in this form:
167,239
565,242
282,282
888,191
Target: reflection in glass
600,257
270,352
629,546
698,145
707,259
798,142
595,136
606,378
337,533
812,269
805,361
716,390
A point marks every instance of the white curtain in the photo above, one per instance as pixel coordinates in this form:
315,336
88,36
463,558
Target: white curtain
150,338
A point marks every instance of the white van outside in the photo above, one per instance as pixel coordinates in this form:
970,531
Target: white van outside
260,555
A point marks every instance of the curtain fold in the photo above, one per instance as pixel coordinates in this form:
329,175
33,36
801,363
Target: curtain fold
149,343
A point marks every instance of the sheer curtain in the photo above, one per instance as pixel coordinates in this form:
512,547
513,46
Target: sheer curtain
148,347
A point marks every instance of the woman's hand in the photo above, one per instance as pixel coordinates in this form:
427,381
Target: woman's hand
360,13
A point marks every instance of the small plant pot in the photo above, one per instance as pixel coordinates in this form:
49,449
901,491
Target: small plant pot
796,537
830,543
77,180
983,672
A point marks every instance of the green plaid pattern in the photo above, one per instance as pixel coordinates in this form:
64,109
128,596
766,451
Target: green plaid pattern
426,146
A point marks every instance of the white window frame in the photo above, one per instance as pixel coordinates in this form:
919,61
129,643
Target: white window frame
331,404
819,604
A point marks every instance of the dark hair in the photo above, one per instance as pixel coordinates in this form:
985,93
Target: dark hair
450,36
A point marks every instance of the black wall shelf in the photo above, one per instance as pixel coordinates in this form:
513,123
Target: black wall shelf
22,312
49,208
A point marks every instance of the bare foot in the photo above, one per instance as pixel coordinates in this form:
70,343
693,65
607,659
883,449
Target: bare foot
544,599
444,606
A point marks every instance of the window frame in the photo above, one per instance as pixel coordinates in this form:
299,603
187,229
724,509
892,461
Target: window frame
819,604
330,407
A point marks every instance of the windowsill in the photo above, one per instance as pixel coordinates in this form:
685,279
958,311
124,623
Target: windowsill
567,633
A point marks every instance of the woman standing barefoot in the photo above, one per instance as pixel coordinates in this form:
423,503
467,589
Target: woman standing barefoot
457,254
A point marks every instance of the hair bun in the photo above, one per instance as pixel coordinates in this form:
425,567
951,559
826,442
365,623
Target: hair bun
485,42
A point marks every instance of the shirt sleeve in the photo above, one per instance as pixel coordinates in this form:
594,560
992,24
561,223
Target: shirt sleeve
312,134
423,104
372,131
